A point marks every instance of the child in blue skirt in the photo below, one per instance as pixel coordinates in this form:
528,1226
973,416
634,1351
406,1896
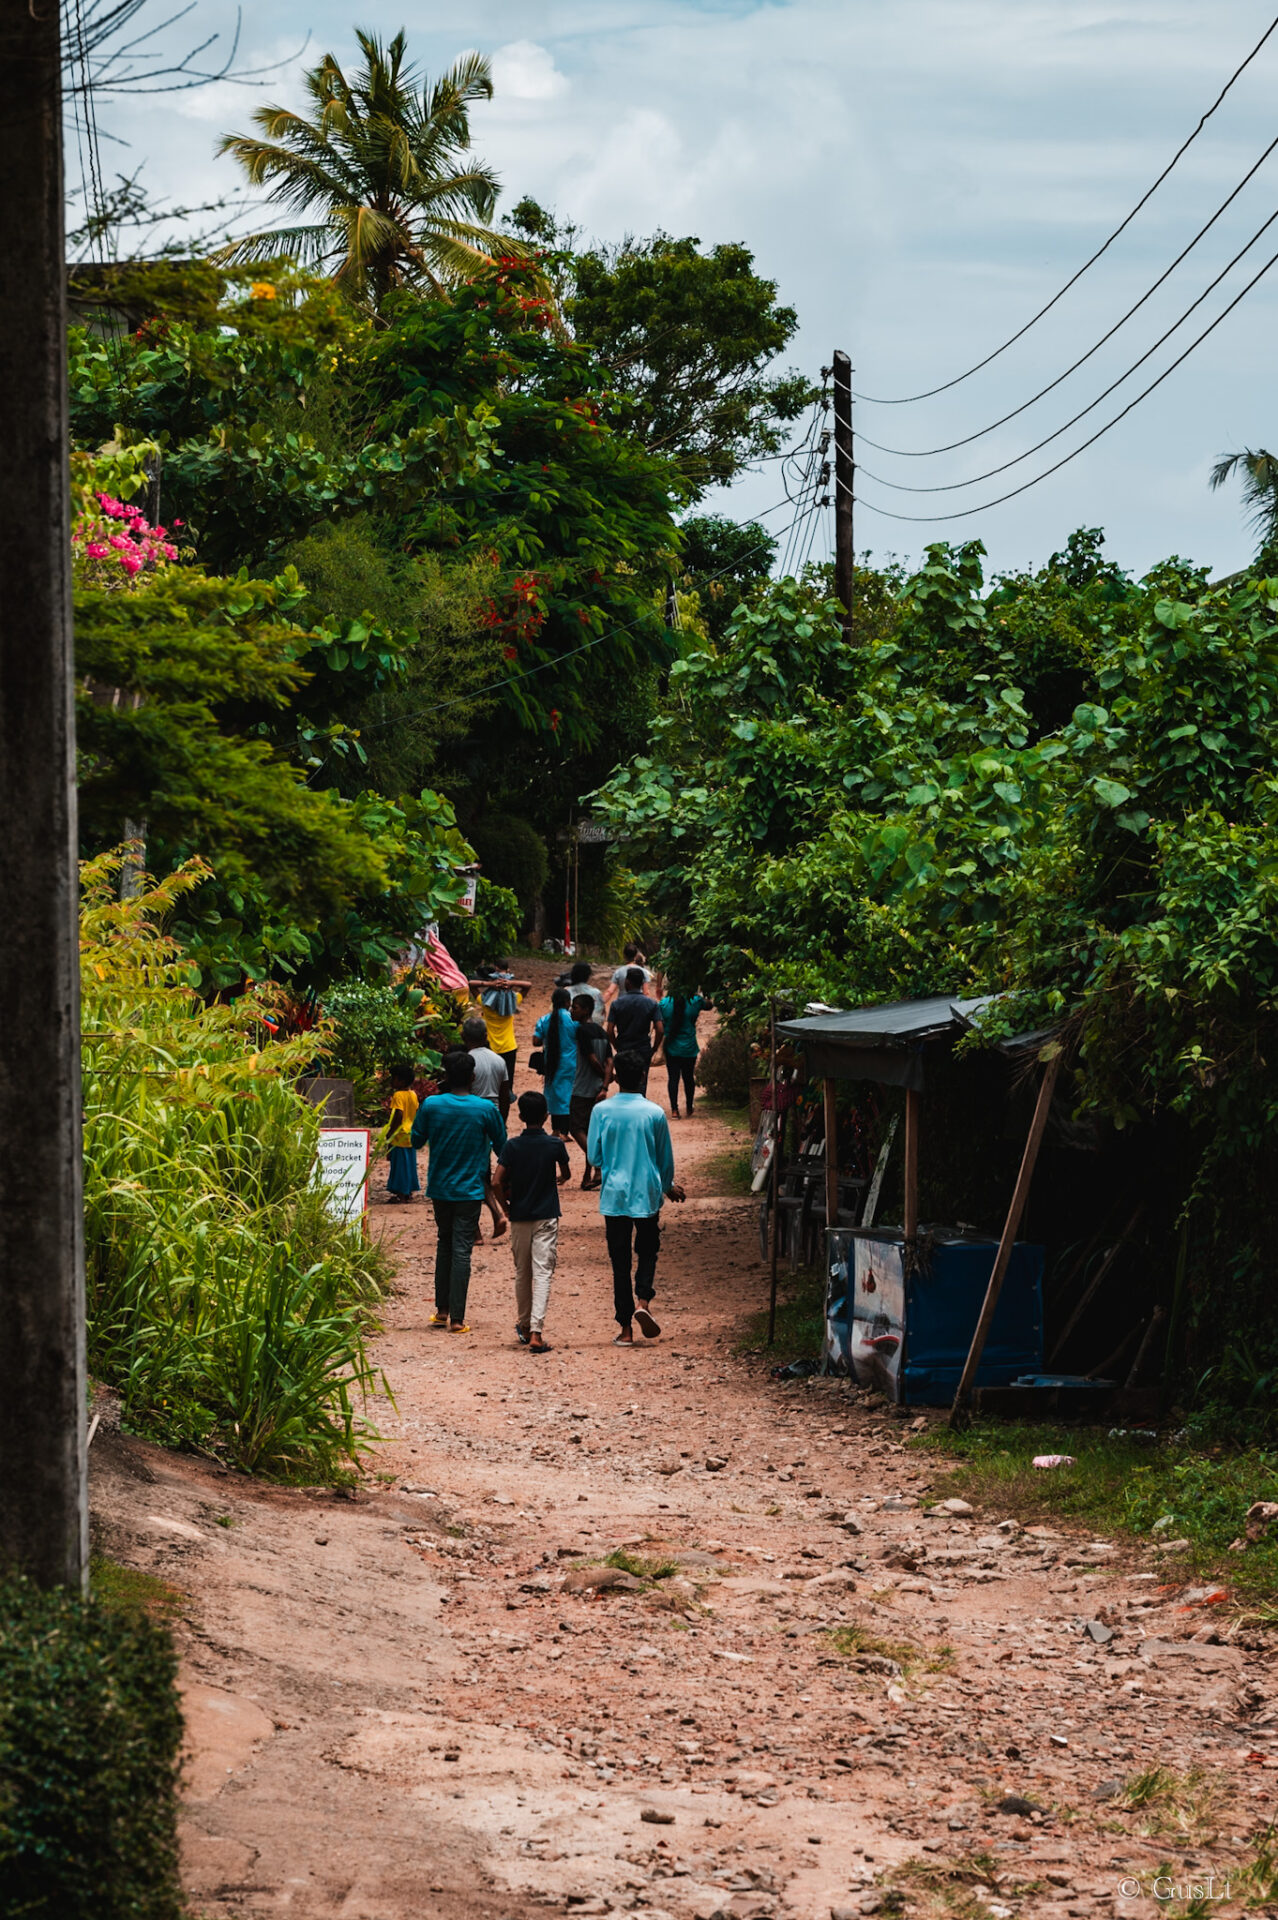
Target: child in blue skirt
401,1180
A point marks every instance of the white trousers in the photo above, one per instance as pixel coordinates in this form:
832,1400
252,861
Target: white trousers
535,1245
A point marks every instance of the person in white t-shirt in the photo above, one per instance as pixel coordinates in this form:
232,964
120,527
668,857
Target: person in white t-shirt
491,1082
633,959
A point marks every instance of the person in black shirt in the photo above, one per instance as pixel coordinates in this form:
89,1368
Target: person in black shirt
531,1168
635,1024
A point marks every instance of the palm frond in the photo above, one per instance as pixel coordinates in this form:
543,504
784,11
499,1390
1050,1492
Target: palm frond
1258,470
303,244
378,151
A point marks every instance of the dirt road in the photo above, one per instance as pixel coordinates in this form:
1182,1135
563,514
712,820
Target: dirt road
406,1703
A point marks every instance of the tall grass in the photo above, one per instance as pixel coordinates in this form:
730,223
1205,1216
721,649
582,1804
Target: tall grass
226,1305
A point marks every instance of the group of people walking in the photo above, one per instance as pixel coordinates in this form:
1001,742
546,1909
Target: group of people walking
586,1043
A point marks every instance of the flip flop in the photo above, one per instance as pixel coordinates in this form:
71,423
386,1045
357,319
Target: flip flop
521,1334
437,1321
623,1340
543,1348
647,1325
462,1329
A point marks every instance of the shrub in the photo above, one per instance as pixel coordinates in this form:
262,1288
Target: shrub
90,1731
723,1068
487,934
226,1303
373,1027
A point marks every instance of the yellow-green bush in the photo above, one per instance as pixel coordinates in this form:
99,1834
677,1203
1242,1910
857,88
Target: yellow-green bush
226,1305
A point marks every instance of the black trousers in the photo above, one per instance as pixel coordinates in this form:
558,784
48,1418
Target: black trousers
646,1232
680,1072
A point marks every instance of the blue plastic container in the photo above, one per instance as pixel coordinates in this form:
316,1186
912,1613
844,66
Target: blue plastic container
909,1336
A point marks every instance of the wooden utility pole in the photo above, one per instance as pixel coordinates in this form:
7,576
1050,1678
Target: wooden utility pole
844,487
43,1506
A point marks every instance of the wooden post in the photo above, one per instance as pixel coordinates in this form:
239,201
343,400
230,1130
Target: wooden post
775,1185
911,1217
831,1157
844,489
1010,1227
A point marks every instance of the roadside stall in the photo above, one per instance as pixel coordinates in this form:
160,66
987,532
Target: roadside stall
923,1312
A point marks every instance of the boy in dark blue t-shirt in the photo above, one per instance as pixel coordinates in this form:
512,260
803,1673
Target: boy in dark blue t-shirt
531,1168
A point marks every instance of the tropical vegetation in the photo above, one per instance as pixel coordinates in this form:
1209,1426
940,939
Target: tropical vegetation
384,160
228,1303
1057,788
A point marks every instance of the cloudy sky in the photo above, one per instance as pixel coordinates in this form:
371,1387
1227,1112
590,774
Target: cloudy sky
919,176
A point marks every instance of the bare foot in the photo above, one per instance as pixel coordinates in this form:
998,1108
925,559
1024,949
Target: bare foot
500,1226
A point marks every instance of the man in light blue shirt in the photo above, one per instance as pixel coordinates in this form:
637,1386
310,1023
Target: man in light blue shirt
462,1131
629,1141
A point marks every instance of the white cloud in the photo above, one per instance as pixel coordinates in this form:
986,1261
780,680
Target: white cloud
522,70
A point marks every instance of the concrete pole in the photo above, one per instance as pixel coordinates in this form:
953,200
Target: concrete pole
43,1504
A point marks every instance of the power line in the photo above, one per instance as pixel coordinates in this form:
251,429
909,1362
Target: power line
955,486
908,399
967,512
927,453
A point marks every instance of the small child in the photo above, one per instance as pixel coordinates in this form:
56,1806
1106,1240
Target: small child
527,1169
401,1179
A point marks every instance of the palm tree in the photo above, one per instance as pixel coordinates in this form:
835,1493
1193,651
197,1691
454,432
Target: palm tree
382,159
1259,474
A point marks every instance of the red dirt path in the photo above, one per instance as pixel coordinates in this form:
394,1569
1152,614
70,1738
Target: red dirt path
398,1710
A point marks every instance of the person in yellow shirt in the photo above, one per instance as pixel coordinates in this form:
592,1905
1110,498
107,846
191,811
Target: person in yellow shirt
499,993
401,1180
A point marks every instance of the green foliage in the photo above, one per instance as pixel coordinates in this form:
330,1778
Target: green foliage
90,1731
513,855
1258,471
689,339
1060,789
490,933
374,1029
613,907
723,563
1124,1486
206,711
226,1303
723,1067
469,430
384,160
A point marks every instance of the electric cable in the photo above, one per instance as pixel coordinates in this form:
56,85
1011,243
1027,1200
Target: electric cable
926,453
966,513
905,400
954,486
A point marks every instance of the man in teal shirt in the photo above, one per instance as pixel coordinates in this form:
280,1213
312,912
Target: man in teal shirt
629,1141
462,1132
